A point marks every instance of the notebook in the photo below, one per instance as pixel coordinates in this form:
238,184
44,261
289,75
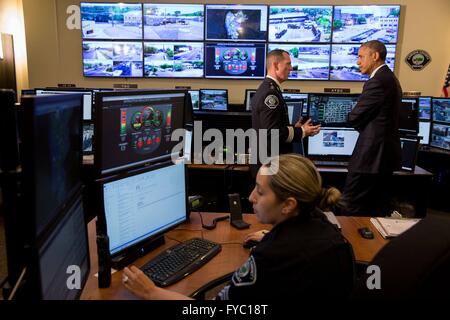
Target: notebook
389,227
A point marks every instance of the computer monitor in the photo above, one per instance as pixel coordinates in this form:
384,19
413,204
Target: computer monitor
236,22
440,136
300,23
87,98
309,61
173,59
331,109
88,135
111,20
424,108
134,128
408,122
441,110
163,21
424,132
138,207
249,93
333,143
296,97
9,157
214,99
409,153
116,59
195,98
235,60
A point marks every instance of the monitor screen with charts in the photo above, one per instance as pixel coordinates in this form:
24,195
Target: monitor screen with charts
424,132
332,142
331,109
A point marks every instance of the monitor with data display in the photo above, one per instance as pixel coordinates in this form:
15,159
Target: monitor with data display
333,142
295,97
409,152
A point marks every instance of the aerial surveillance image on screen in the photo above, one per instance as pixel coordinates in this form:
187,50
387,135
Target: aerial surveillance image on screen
441,109
300,23
331,109
173,21
227,60
236,22
170,59
344,58
440,136
111,21
112,59
363,23
425,108
333,141
309,61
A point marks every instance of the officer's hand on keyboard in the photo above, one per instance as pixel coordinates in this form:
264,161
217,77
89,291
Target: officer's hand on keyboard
138,283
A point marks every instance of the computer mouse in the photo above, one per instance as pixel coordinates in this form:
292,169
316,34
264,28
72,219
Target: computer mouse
366,233
250,244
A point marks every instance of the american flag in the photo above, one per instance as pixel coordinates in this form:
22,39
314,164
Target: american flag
445,87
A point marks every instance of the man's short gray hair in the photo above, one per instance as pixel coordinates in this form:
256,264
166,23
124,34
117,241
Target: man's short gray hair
376,46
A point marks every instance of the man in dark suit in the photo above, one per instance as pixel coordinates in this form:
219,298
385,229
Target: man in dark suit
377,152
269,110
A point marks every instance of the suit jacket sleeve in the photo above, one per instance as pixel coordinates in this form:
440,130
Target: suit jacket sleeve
368,106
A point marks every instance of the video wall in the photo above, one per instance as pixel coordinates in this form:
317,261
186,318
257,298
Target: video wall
231,41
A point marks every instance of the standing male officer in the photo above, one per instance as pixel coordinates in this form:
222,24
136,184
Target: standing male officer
269,111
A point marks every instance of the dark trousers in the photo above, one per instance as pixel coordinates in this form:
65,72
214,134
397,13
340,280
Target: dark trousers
367,194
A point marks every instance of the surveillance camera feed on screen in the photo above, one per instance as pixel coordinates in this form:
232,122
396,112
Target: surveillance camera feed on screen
344,58
236,22
331,110
359,24
195,98
173,21
214,99
425,108
333,141
173,60
310,62
440,136
112,59
300,23
232,60
138,128
441,110
111,21
88,133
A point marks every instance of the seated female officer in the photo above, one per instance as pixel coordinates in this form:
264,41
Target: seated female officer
303,254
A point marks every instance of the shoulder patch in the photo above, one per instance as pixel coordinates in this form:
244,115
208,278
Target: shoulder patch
272,101
246,275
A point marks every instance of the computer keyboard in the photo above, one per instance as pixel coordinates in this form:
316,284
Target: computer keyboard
331,163
177,262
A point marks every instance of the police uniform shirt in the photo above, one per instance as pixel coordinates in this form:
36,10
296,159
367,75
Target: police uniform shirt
302,256
269,111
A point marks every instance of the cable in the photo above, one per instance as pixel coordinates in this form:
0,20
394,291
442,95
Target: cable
19,281
214,222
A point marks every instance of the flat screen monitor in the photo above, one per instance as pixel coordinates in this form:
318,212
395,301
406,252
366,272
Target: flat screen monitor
424,132
344,58
440,136
236,22
425,108
331,109
214,99
408,121
173,59
111,20
88,134
249,93
165,21
87,98
441,110
309,61
300,23
140,206
134,128
112,59
52,155
235,60
65,249
333,143
409,153
195,98
296,96
359,24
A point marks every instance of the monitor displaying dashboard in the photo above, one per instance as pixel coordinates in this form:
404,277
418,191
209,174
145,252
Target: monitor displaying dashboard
441,110
333,142
214,99
140,206
331,109
225,22
134,128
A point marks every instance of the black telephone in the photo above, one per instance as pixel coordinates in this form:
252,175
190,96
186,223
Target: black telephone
236,212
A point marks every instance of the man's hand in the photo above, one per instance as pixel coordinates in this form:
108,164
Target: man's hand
308,128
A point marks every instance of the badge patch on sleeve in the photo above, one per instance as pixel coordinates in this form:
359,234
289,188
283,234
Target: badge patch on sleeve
272,101
246,275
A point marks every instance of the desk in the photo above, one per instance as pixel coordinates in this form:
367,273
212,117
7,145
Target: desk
232,256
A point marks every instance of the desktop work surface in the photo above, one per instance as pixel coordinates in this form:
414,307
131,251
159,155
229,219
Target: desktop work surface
232,256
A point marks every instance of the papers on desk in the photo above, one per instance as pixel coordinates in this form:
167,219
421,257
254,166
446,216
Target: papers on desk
389,227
